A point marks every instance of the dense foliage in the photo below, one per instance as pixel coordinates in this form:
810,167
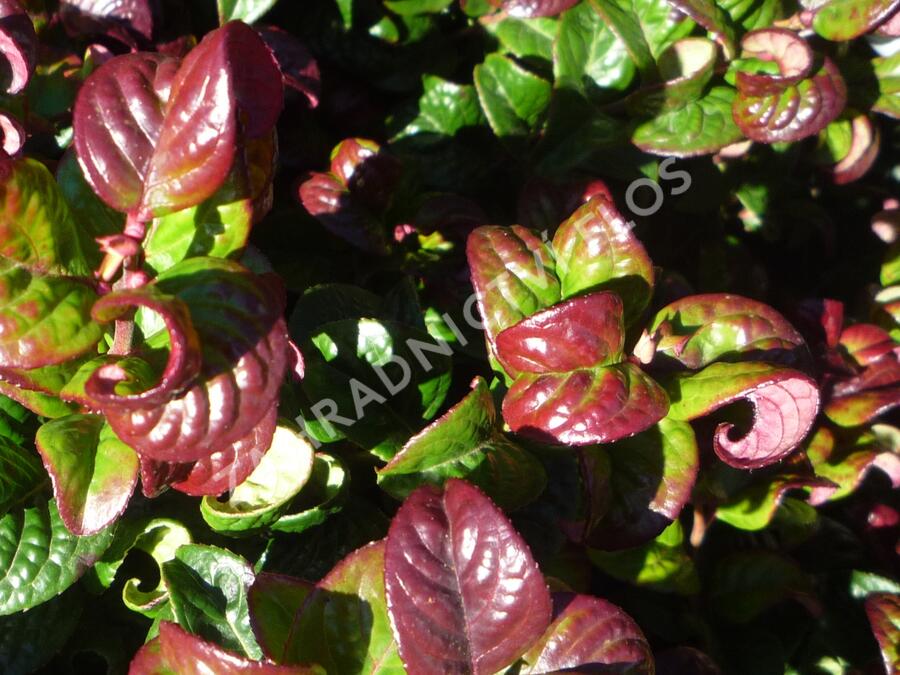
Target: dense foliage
416,336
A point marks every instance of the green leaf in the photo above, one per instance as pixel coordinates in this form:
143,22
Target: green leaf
415,7
753,14
887,71
28,640
93,472
698,128
344,626
40,558
17,424
37,229
588,56
208,591
322,496
94,218
513,99
466,442
247,11
267,492
20,473
842,20
46,320
526,37
863,584
444,109
275,600
217,227
661,565
745,584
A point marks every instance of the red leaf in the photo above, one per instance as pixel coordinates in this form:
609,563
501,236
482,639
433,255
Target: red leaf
463,591
299,69
121,19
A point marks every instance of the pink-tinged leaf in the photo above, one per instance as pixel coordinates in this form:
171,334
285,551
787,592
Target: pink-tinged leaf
228,88
597,250
579,333
463,592
591,634
18,44
709,15
13,135
639,485
861,408
883,610
866,343
177,651
118,116
93,472
274,601
846,461
529,9
700,329
842,20
367,171
864,146
225,469
299,69
244,355
581,407
122,19
798,102
513,275
785,403
344,626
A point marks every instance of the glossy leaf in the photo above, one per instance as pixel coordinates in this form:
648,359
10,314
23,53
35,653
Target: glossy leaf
240,361
589,633
887,74
785,403
275,600
513,275
513,99
445,108
700,329
93,472
344,625
261,499
799,101
208,591
710,15
18,44
842,20
123,19
177,651
883,610
55,557
247,11
583,332
642,486
20,473
529,9
585,406
231,74
596,250
45,320
466,442
858,408
452,560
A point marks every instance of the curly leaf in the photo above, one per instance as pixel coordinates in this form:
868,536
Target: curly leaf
177,651
344,625
584,406
582,332
589,633
513,275
211,394
323,496
18,44
799,101
266,493
785,403
462,590
466,442
92,471
596,250
883,610
700,329
40,558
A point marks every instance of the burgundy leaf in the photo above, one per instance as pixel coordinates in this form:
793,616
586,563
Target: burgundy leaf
578,333
700,329
367,171
243,342
299,69
156,476
798,102
177,651
463,591
513,275
121,19
866,343
18,44
118,117
785,403
586,406
883,610
228,87
529,9
592,634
